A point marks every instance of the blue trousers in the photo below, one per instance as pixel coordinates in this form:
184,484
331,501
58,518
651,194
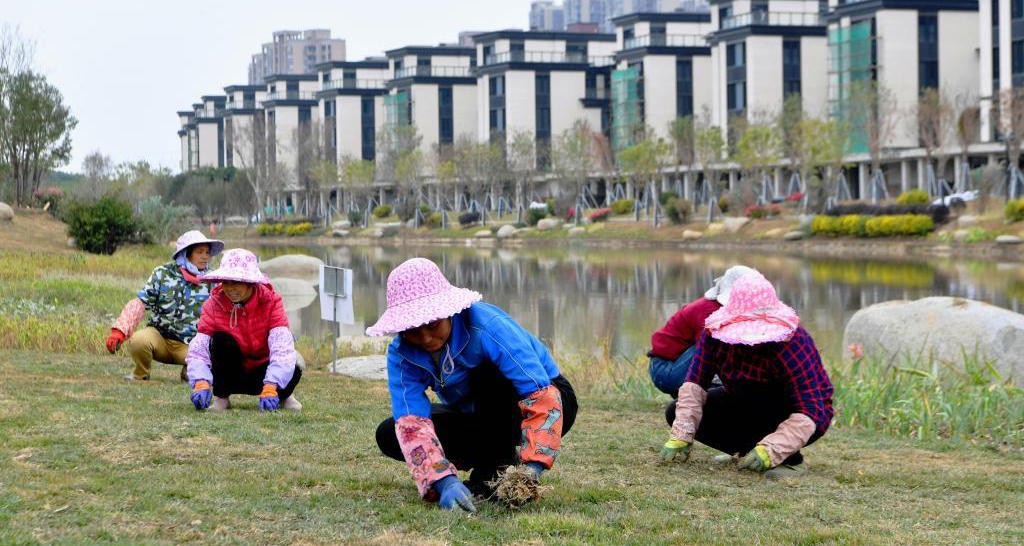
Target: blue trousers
668,375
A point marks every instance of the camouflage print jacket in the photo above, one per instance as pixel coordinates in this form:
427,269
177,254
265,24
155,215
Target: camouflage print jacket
174,302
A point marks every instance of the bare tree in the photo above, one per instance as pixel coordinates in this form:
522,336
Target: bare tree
968,129
756,150
1010,118
681,132
574,160
357,176
522,163
97,169
873,114
250,153
477,164
709,145
16,52
935,126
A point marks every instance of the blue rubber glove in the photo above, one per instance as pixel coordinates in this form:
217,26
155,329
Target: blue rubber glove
201,395
536,469
454,494
268,398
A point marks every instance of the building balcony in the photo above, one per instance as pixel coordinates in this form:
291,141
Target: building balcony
772,18
203,114
290,95
598,93
355,84
665,40
547,57
243,105
433,72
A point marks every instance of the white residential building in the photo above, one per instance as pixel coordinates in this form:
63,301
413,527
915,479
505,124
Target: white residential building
351,103
433,89
907,46
207,135
1001,59
291,111
542,82
663,71
761,52
244,131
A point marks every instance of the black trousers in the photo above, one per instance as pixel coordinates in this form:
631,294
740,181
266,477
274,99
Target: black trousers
230,377
734,421
486,439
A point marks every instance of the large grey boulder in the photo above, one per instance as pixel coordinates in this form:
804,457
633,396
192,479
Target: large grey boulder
734,225
363,367
1009,240
506,231
341,224
6,213
577,231
942,328
794,235
295,293
293,266
547,224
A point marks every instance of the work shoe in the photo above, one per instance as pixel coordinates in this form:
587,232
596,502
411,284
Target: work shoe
291,403
723,459
784,471
220,404
131,377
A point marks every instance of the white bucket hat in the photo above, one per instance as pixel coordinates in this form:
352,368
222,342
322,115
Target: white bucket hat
723,285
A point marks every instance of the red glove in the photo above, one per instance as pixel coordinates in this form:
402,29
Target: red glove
114,340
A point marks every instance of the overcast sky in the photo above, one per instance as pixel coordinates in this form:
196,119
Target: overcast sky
126,66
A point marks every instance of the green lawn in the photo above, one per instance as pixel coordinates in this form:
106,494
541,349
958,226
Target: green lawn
88,458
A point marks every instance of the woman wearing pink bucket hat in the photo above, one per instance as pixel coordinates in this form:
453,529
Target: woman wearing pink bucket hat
174,296
244,345
775,397
499,387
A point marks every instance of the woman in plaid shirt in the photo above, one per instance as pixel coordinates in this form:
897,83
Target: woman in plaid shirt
775,396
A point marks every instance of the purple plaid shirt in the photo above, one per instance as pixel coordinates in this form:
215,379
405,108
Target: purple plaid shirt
795,364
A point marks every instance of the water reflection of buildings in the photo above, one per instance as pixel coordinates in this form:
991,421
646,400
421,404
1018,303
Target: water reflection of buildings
611,300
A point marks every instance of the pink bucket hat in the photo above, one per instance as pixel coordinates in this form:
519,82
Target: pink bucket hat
753,315
239,265
196,237
419,294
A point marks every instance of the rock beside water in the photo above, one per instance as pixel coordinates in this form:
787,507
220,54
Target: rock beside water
506,231
6,212
363,367
547,224
940,327
293,266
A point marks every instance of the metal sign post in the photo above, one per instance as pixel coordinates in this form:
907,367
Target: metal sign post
336,301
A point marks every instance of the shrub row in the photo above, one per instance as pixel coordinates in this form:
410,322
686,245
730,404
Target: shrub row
938,213
913,197
623,206
855,225
756,212
382,211
678,210
600,215
291,230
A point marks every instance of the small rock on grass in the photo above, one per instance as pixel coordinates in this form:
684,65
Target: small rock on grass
1009,240
573,232
691,235
483,233
794,236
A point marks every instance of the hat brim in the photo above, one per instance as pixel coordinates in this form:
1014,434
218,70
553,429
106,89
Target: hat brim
215,276
416,313
752,333
216,247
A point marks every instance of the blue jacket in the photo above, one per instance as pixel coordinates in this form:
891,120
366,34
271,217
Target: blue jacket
480,334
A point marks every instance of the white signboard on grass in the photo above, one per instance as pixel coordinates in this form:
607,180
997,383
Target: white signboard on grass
336,295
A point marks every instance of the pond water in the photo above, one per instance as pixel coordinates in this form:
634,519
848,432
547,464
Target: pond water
596,300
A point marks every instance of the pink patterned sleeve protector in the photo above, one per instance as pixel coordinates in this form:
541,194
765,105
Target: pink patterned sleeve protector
197,360
689,410
791,435
282,357
423,453
130,316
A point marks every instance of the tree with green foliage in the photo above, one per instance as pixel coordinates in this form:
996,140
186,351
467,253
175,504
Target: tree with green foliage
522,163
709,145
757,150
644,161
681,132
35,130
574,161
357,176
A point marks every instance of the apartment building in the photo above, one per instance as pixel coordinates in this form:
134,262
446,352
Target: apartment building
908,46
542,82
351,103
295,52
291,112
185,118
1001,57
206,132
244,131
763,51
433,88
663,67
547,15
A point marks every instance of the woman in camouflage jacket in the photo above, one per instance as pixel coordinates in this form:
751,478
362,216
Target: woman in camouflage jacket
174,297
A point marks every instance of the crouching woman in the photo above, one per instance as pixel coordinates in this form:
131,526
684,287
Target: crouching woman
775,397
244,345
499,388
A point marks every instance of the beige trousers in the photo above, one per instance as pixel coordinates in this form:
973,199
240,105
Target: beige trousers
147,345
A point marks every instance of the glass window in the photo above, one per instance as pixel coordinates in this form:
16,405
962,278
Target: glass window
1017,57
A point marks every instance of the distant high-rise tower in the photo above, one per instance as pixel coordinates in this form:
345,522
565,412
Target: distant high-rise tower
295,52
546,15
589,11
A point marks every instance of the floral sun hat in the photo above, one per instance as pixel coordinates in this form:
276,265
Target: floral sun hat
723,285
196,237
418,294
753,314
239,265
